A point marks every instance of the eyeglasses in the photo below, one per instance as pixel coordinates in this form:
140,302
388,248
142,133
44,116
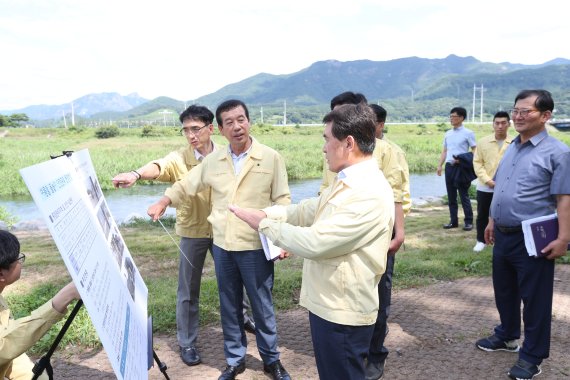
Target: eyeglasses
454,116
192,131
21,258
522,112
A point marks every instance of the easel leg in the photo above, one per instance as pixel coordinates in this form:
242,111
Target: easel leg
161,365
44,362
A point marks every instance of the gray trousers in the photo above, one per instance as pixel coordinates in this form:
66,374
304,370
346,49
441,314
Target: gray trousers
188,295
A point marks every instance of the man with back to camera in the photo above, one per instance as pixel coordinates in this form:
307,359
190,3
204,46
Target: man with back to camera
402,203
457,141
191,223
252,175
489,151
532,180
392,162
19,335
343,235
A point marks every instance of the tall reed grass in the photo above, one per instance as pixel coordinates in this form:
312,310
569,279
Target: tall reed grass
300,146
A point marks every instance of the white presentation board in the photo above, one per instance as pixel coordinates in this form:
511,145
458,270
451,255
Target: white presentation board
68,195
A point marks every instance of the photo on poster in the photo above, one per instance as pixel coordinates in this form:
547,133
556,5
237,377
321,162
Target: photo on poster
93,190
117,246
130,276
103,215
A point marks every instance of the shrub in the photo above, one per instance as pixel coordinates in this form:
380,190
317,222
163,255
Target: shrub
6,217
76,129
107,132
421,129
148,131
443,127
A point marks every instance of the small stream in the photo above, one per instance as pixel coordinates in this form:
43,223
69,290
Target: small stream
126,203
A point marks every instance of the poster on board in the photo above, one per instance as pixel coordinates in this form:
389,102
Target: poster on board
69,197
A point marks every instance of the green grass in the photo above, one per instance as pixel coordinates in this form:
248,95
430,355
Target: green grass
301,148
431,254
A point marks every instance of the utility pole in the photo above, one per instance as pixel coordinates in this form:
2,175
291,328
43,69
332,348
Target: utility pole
481,90
473,112
164,113
261,114
72,115
285,112
64,121
481,114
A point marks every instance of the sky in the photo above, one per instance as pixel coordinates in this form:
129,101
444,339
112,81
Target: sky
55,51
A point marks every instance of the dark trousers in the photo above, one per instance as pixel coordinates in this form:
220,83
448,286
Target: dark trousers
234,271
339,349
516,277
483,205
378,352
452,191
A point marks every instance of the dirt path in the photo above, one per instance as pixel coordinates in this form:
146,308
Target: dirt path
432,335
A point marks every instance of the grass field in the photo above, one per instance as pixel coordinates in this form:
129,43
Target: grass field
300,146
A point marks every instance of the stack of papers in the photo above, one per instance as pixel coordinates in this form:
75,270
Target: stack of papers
539,232
271,251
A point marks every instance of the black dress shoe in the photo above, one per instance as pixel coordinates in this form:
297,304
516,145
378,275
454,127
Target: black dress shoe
374,371
277,371
249,326
190,355
231,372
467,227
450,225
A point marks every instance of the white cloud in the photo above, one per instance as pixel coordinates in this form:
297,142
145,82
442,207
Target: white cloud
59,50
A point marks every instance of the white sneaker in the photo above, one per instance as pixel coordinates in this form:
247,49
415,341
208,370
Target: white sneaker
479,246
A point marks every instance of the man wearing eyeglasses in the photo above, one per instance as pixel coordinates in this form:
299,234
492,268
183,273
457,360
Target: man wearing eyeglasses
191,223
18,335
456,142
532,180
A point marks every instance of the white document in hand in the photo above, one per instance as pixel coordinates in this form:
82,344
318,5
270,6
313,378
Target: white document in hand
271,251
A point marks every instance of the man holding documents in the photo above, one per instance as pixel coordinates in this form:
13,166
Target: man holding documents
344,236
532,180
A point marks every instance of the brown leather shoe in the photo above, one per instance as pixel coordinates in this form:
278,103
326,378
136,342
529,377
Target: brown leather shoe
277,371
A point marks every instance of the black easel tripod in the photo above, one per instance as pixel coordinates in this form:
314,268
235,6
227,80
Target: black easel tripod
44,362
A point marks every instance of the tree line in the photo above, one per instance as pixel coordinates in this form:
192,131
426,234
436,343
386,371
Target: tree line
14,120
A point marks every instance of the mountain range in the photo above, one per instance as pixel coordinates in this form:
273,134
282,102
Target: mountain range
398,81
